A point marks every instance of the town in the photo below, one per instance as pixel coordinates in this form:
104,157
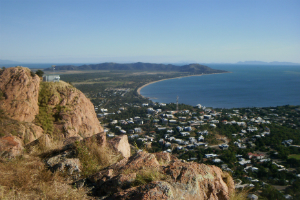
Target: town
258,146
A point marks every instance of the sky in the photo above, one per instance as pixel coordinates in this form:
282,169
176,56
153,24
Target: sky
156,31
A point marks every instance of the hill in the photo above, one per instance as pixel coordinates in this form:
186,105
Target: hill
53,147
7,62
139,66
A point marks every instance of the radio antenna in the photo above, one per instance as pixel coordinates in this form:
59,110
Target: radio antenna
177,103
53,68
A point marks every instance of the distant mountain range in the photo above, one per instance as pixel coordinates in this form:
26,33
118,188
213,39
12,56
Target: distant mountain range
11,62
266,63
7,62
139,66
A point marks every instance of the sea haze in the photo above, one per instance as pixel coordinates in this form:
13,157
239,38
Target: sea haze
38,65
246,86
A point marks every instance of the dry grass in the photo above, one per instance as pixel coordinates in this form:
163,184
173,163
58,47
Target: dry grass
226,178
239,195
45,148
8,126
148,175
94,157
28,179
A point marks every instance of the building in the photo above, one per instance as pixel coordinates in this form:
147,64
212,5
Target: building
51,78
256,155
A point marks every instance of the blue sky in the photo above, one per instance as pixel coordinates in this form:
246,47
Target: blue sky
203,31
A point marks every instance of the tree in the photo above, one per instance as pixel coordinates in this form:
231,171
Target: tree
40,73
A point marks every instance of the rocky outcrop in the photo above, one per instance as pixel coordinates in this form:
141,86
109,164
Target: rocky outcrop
32,108
20,92
10,146
162,176
52,106
30,132
42,142
64,162
120,143
73,112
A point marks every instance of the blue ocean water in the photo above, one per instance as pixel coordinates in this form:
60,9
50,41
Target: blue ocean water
246,86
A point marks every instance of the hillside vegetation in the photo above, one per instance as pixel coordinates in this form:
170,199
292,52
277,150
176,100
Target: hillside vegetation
61,152
193,68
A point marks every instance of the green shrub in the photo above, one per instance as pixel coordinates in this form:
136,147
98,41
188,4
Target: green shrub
40,73
32,73
45,119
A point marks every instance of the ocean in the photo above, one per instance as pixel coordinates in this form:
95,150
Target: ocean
245,86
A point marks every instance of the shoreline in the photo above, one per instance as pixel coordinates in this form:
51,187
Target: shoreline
139,89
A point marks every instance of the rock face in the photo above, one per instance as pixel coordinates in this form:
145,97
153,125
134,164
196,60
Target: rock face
120,143
43,107
44,142
10,146
75,112
20,91
162,176
30,132
22,96
64,162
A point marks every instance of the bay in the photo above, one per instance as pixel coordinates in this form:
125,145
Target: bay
245,86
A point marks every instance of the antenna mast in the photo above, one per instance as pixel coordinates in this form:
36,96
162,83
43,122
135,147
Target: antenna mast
53,67
177,103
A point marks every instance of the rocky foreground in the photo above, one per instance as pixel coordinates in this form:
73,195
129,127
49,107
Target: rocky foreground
53,129
174,179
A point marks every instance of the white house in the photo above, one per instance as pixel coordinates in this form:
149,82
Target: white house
213,125
211,155
217,160
137,130
164,120
223,146
184,133
188,128
51,78
179,147
172,121
167,144
200,138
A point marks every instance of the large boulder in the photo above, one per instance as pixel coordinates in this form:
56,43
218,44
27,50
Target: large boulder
46,107
30,132
20,91
10,146
42,142
120,143
73,112
64,162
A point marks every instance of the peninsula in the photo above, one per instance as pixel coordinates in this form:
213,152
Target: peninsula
139,66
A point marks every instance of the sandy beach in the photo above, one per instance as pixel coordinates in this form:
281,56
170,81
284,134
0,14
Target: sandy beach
139,89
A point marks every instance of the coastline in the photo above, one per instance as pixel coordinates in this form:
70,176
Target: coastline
140,88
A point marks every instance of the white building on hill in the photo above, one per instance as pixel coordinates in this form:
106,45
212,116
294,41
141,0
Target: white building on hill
51,78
